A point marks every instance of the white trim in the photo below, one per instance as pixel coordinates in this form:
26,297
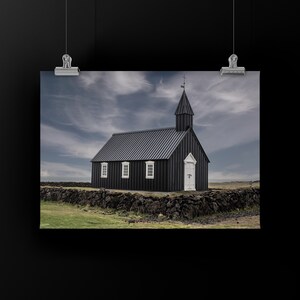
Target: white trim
104,169
125,164
149,164
190,158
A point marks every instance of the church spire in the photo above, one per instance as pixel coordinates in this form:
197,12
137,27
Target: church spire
184,113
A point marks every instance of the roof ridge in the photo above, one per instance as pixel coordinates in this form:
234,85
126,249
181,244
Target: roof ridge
141,145
156,129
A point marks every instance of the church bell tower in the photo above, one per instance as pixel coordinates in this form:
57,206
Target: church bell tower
184,113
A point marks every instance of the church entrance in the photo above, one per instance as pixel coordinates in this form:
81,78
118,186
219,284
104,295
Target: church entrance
190,173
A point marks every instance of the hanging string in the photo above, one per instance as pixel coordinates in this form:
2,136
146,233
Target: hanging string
95,30
233,26
66,25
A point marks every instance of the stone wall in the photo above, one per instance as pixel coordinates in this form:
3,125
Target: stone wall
179,207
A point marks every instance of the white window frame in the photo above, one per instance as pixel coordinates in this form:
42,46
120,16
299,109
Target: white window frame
125,163
104,164
149,163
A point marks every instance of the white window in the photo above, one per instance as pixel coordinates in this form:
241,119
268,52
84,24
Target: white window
104,172
125,169
149,169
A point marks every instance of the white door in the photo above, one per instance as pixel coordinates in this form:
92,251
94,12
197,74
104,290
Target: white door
189,173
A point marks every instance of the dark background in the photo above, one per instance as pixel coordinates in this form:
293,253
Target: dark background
138,35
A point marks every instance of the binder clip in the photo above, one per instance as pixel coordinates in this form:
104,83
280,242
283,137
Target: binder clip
66,69
233,68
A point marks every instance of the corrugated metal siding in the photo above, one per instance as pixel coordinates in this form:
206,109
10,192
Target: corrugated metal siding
136,180
189,144
140,145
183,122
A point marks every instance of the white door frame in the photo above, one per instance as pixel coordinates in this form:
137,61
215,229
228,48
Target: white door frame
190,159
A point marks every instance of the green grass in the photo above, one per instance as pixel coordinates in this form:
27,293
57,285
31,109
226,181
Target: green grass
64,215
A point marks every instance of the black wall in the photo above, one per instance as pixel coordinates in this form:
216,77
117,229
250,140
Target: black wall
176,163
137,176
183,122
168,174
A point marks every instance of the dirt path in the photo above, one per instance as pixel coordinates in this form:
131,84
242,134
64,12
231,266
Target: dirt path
245,218
250,222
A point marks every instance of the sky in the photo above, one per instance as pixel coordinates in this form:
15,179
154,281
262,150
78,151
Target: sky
80,113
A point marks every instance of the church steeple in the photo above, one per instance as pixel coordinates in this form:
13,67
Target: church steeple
184,113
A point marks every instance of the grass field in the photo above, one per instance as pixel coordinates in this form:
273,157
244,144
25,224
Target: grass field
63,215
233,185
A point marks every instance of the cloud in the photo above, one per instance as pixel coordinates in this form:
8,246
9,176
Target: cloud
116,83
226,132
167,89
223,176
124,83
67,144
91,103
211,93
226,107
93,116
233,166
63,172
90,78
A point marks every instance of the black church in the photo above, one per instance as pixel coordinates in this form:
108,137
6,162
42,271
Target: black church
167,159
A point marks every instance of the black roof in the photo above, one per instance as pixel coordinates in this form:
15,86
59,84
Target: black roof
141,145
184,106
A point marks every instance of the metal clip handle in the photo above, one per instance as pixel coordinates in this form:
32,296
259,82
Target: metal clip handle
233,68
66,69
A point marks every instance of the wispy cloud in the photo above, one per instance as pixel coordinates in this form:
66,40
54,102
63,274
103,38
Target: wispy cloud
90,104
211,93
228,132
112,84
167,89
226,107
67,144
65,172
93,115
